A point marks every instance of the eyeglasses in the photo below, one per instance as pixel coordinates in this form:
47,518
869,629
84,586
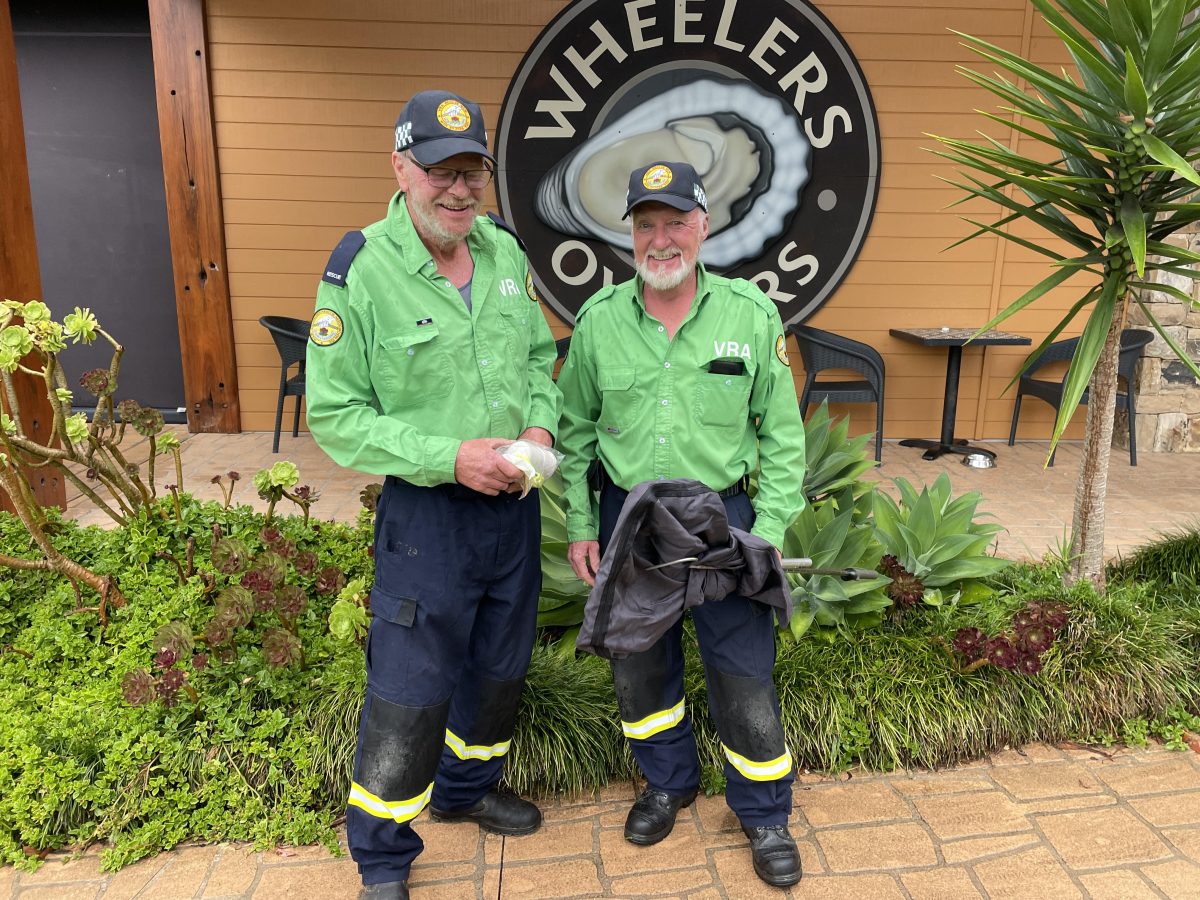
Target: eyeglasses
443,177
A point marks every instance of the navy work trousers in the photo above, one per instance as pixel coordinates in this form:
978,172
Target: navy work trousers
737,644
457,576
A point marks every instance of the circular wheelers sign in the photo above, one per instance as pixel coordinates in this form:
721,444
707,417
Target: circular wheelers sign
762,97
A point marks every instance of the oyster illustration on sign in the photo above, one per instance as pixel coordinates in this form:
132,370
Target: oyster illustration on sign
748,149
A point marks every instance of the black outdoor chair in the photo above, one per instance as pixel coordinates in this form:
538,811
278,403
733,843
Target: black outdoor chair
1132,342
291,340
822,350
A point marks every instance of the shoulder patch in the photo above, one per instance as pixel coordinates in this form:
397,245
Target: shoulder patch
326,328
599,297
341,258
781,350
530,288
504,226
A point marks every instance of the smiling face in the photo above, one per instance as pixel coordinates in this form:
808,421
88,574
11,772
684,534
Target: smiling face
442,216
666,243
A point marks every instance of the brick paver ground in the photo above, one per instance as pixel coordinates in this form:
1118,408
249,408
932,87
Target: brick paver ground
1046,822
1034,503
1043,822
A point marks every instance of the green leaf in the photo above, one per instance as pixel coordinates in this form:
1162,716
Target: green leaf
1133,220
1040,289
1163,38
1164,289
1168,157
1123,28
1087,352
1135,89
1171,342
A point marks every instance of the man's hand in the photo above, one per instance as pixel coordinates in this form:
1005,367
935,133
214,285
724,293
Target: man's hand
537,435
584,557
479,467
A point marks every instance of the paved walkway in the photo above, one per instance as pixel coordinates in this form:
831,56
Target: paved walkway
1047,822
1032,502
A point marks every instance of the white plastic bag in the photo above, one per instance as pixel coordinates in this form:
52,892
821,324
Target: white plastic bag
536,462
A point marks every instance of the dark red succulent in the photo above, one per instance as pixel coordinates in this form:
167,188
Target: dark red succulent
330,580
1000,652
137,687
280,648
969,642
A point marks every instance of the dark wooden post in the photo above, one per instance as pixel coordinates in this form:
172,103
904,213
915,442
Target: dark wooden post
194,216
20,276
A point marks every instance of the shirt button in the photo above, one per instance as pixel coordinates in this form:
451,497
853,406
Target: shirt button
483,362
662,440
660,328
729,381
665,402
411,351
666,365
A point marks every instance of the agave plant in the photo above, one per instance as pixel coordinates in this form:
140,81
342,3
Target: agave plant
932,541
832,460
1123,135
834,536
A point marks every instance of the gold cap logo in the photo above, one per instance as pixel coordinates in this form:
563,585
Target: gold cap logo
657,178
453,115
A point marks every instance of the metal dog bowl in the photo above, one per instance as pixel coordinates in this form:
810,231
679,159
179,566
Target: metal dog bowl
978,461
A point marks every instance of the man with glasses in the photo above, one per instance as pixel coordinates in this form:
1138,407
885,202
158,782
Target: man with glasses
427,352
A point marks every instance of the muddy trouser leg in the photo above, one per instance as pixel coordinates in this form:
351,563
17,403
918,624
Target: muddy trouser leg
737,644
649,687
438,553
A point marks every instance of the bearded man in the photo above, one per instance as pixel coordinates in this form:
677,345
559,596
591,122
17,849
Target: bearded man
681,373
428,351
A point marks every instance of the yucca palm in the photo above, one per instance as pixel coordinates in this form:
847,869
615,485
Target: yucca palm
1124,131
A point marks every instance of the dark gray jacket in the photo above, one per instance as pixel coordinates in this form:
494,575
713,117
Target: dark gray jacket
631,606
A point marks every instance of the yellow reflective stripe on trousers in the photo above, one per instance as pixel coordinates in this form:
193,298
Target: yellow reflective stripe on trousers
653,723
463,751
760,771
401,811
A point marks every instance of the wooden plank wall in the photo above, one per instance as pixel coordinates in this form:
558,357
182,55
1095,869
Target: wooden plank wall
305,100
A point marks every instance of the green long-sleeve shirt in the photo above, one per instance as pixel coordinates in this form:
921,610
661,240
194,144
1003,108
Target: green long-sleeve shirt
400,372
648,407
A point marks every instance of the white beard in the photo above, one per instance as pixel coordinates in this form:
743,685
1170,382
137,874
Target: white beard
669,280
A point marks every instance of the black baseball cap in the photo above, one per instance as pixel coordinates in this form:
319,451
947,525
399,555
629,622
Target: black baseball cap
435,125
673,183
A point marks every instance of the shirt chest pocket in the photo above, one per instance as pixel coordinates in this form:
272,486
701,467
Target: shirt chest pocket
619,397
515,317
723,401
414,367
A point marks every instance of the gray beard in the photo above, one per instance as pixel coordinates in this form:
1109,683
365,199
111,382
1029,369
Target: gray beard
432,230
666,281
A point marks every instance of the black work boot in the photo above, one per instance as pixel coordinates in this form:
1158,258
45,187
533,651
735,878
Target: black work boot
388,890
498,813
776,859
653,815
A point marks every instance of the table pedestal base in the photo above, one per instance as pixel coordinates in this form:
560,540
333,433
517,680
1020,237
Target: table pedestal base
934,449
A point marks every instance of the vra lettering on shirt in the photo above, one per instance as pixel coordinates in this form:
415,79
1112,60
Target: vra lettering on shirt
731,348
508,288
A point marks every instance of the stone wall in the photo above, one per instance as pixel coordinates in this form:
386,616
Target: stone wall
1168,394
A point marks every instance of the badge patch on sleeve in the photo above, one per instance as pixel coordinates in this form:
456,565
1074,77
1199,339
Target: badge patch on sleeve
781,350
326,328
529,288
